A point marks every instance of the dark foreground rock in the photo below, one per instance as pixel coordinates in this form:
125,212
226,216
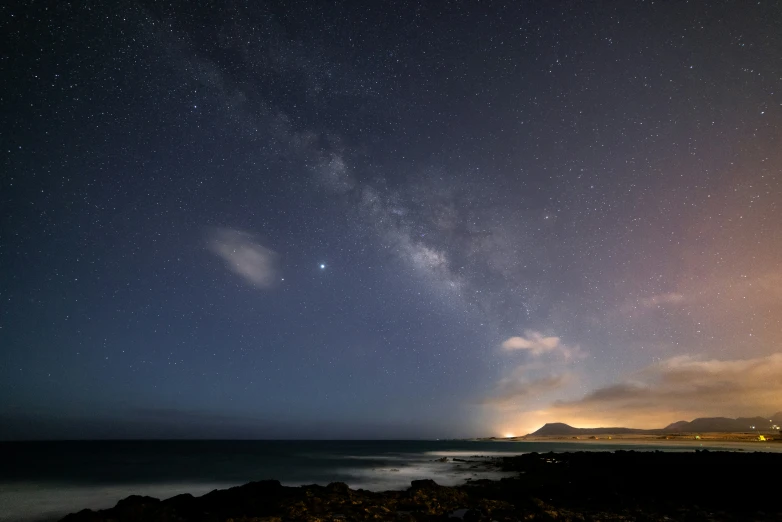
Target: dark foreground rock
622,485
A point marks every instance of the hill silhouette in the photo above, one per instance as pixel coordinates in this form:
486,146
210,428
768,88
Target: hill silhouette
723,424
701,424
560,428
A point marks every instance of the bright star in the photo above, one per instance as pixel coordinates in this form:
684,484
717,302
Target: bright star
322,266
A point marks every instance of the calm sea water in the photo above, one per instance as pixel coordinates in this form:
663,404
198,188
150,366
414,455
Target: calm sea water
46,480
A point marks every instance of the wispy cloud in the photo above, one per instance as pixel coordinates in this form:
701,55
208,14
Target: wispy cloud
243,255
533,342
513,391
524,383
537,344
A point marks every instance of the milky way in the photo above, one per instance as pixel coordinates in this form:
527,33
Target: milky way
270,220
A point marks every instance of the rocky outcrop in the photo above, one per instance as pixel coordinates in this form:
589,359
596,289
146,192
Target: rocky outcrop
622,485
270,501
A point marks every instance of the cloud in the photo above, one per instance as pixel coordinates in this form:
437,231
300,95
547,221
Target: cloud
244,256
533,342
536,344
683,387
524,382
519,386
514,390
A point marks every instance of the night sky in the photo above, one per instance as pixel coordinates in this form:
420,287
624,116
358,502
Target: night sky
374,220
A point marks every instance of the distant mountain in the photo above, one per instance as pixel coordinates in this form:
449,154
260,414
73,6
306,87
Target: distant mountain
702,424
722,424
560,428
556,428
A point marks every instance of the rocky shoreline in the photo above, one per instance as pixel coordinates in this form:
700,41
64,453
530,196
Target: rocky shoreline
620,485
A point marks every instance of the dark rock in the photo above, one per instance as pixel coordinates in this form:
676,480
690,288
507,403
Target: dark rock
85,515
339,487
136,507
623,485
417,485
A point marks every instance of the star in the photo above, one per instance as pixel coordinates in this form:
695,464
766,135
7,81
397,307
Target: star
322,266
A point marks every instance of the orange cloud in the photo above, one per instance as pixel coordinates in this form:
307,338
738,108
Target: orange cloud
683,387
679,388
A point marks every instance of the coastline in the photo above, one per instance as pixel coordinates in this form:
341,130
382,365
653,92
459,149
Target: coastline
715,439
584,485
45,481
714,445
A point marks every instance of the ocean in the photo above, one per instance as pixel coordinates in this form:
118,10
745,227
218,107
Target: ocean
41,481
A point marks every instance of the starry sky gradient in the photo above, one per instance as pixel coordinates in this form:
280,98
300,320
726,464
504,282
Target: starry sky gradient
317,220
